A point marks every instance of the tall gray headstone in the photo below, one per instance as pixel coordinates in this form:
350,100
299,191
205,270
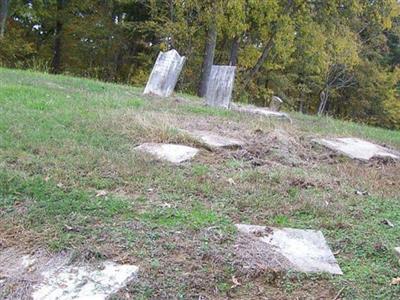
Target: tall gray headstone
220,86
165,74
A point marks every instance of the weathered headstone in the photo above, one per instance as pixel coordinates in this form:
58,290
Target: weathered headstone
214,140
220,86
275,104
165,74
169,152
357,148
289,249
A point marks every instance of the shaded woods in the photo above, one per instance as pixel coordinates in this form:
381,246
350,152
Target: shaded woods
337,57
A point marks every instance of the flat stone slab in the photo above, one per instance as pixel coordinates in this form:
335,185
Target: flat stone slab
263,111
300,250
44,277
214,140
169,152
84,282
358,149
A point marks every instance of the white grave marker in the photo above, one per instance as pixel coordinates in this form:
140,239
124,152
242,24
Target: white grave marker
220,86
84,282
262,111
165,74
357,148
214,140
172,153
306,250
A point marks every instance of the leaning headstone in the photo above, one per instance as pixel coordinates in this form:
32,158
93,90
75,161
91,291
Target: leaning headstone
165,74
220,86
276,103
286,249
358,149
172,153
213,140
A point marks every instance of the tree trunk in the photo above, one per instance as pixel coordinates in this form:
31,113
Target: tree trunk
208,61
267,50
233,60
3,16
171,40
56,63
289,9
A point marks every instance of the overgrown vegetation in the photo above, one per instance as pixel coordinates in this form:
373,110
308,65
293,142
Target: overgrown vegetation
337,57
70,180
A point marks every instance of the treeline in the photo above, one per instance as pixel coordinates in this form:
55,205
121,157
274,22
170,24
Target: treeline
336,57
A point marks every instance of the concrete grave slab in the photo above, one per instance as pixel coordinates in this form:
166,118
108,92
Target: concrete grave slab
220,86
169,152
41,276
213,140
84,282
165,74
263,111
305,250
358,149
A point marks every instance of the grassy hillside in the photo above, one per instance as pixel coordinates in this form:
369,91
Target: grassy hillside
70,180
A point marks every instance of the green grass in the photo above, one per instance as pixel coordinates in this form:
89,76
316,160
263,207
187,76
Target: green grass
64,139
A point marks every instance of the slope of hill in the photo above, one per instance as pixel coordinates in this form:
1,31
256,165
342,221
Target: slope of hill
71,180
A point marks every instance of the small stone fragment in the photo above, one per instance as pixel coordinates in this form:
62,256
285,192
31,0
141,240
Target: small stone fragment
388,223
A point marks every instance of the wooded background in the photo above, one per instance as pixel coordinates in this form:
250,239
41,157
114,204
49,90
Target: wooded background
336,57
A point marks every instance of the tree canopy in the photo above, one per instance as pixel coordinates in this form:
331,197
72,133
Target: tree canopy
337,57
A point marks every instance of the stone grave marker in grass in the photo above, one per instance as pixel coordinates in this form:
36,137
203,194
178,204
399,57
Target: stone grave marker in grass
165,74
214,140
169,152
358,149
286,249
220,86
262,111
40,276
